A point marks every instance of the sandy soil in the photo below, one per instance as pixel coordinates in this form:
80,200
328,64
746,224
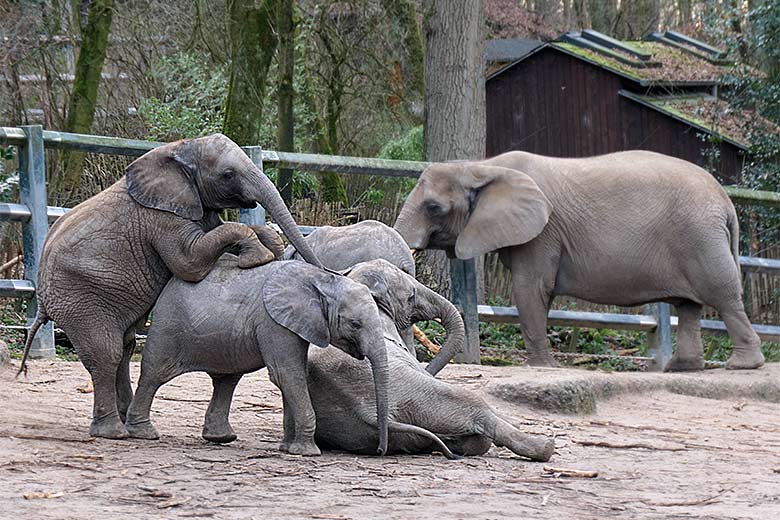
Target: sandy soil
662,455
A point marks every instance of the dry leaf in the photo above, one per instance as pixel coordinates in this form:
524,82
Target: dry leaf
86,388
32,495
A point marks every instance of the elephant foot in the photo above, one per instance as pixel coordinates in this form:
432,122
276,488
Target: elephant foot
745,358
142,430
307,449
219,435
685,364
534,447
253,254
544,359
109,427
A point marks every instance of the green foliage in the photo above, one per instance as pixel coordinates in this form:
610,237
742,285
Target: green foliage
409,147
190,99
9,181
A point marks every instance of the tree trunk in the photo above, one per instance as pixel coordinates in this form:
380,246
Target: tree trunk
637,18
454,99
83,96
404,19
602,14
253,43
285,94
331,187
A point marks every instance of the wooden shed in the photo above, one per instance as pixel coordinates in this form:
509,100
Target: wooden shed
587,94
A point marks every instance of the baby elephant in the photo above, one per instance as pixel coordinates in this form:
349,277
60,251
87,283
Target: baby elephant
240,320
339,386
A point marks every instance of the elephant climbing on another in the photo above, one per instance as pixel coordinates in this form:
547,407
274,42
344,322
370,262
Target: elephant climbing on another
342,247
626,228
237,321
105,262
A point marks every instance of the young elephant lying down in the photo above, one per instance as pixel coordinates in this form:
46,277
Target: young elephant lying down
340,389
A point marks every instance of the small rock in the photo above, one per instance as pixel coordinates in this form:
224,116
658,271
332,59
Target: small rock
5,356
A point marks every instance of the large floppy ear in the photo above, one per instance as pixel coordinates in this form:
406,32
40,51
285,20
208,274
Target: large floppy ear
508,208
164,179
295,296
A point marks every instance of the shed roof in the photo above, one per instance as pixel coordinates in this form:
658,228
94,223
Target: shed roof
709,114
504,51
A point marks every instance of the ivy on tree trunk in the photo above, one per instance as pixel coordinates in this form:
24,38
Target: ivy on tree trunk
83,96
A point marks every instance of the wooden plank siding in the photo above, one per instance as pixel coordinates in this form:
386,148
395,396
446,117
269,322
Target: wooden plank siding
554,104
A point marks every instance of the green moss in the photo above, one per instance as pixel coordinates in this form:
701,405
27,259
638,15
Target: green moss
603,61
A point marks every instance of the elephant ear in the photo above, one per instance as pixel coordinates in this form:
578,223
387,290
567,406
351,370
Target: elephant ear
295,296
508,209
164,179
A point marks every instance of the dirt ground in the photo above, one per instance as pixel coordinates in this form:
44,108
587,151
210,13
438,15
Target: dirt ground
658,455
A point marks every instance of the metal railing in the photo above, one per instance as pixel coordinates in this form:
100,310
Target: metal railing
35,215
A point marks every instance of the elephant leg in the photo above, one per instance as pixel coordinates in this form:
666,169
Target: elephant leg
216,427
689,355
746,351
289,427
532,304
102,357
124,388
535,447
288,372
138,423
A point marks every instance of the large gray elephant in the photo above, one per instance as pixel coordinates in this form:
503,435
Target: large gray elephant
237,321
340,248
625,229
339,384
105,262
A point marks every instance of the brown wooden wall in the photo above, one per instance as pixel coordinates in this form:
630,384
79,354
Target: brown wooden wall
554,104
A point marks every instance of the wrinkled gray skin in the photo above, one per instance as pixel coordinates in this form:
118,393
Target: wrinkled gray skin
238,321
105,262
621,229
340,248
338,386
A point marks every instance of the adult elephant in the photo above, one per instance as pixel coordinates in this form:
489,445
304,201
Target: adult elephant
106,261
625,229
340,248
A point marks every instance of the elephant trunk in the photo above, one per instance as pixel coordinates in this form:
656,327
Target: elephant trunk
434,305
414,235
268,196
377,356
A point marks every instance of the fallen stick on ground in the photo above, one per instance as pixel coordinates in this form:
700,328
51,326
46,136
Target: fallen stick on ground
33,437
697,502
628,445
182,400
573,473
420,336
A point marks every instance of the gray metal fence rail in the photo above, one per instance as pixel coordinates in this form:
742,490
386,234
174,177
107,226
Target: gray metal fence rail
35,215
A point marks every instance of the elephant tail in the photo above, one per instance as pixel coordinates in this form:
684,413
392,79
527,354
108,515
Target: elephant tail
397,427
733,225
40,319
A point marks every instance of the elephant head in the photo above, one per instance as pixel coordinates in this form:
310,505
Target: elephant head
407,301
209,173
472,207
328,309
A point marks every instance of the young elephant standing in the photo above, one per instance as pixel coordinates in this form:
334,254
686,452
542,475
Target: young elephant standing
238,321
621,229
105,262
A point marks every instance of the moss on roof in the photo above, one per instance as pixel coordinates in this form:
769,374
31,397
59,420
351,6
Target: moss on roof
714,115
677,66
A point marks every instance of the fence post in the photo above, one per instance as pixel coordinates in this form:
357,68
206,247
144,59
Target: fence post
659,340
256,215
463,276
32,193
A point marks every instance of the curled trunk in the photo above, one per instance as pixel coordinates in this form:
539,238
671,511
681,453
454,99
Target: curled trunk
433,305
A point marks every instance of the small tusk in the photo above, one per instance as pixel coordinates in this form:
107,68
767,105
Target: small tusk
413,251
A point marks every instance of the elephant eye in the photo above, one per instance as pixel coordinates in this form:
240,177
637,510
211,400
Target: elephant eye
434,209
355,324
227,174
